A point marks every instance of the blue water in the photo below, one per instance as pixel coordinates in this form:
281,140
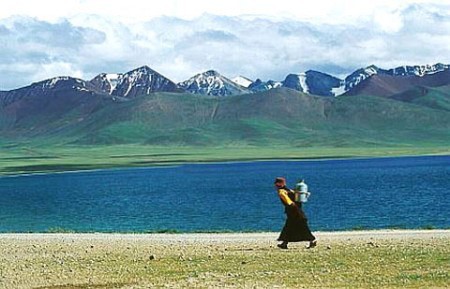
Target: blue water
407,192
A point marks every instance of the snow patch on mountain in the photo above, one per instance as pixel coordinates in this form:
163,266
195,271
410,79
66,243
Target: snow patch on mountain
297,82
80,88
340,90
106,82
302,79
310,82
418,70
259,85
52,82
242,81
113,80
360,75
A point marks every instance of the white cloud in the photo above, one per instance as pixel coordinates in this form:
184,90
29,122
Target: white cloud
83,38
329,11
389,22
57,68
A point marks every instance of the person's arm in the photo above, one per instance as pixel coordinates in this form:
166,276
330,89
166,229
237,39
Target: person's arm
283,194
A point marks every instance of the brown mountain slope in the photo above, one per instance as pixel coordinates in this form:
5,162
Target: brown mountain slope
387,85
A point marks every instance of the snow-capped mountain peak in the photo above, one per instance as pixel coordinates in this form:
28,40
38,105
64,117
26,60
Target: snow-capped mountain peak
297,82
51,83
314,82
144,81
211,83
359,75
63,84
106,82
418,70
371,69
141,81
58,81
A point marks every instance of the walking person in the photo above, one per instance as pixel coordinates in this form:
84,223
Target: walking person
296,227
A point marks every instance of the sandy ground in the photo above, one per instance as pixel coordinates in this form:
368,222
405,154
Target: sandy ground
232,260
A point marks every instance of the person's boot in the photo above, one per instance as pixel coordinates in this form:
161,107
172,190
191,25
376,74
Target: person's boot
283,245
312,244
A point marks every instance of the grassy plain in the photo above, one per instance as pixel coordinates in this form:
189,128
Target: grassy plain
25,159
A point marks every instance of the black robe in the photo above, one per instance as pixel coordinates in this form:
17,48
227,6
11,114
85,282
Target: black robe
296,227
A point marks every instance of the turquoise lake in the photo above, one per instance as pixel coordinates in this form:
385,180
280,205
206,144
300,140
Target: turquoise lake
404,192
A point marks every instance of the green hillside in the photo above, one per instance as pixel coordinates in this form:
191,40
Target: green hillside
184,119
381,120
163,128
273,118
279,116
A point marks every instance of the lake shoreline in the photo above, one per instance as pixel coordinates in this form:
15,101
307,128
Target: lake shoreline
337,232
213,162
232,236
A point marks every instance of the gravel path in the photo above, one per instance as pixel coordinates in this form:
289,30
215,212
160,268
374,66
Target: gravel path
230,238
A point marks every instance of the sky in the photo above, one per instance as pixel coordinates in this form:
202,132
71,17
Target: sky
265,39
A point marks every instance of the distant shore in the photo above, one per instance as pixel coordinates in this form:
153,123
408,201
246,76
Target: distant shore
19,160
362,259
66,170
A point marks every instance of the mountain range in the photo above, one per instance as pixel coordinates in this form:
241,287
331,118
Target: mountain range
144,80
371,106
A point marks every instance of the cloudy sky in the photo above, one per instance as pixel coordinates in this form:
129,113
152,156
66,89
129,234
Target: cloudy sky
264,39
